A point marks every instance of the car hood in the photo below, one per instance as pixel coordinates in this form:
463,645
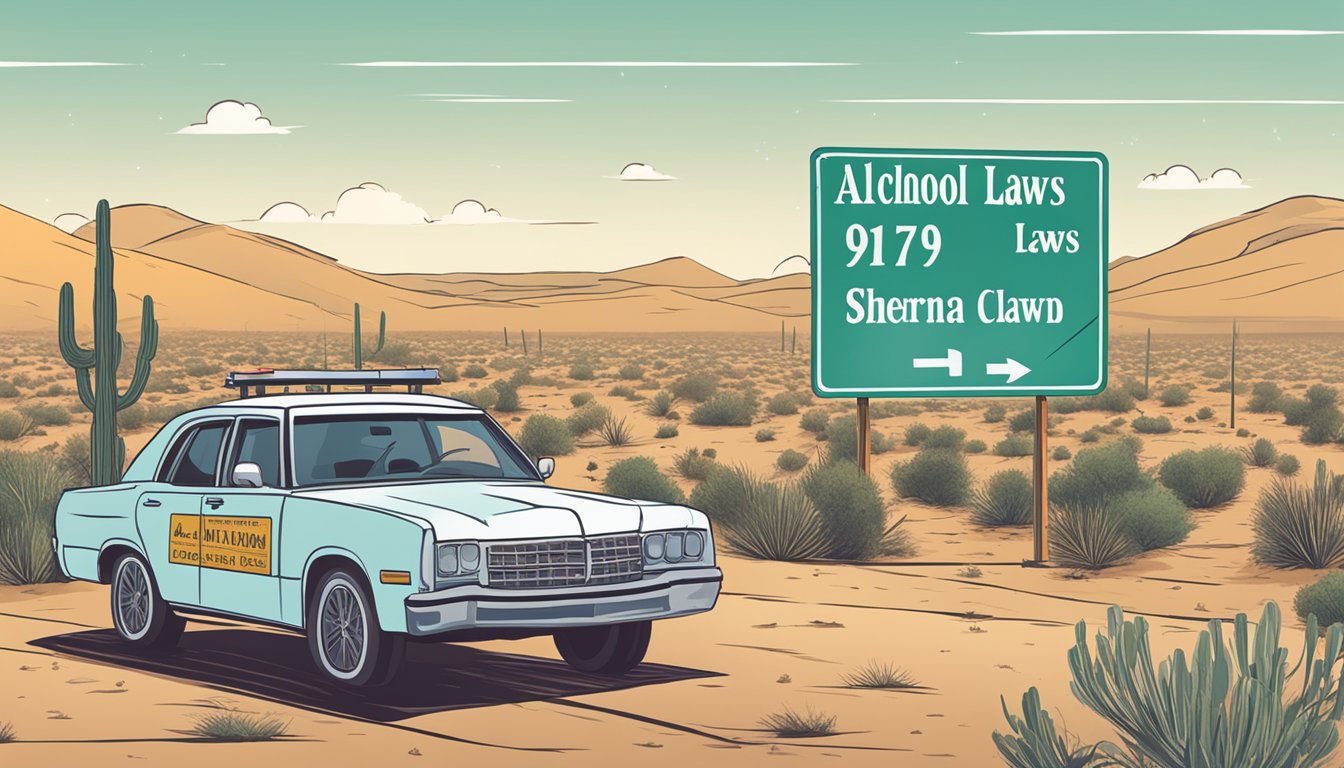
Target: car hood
484,509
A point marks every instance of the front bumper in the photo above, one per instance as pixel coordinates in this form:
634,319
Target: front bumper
663,595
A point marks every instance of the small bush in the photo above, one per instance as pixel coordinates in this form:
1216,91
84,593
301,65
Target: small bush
580,399
74,458
638,478
1090,435
1322,425
665,432
995,414
615,432
765,435
853,516
474,371
791,724
7,389
916,433
507,400
1204,478
1022,421
1099,474
485,397
730,409
1004,500
693,465
783,404
724,494
1287,465
1298,526
14,425
30,486
791,460
660,405
7,733
622,390
1175,395
1061,453
774,522
1324,600
544,435
1204,414
842,439
1152,518
449,373
1266,397
881,675
587,418
946,437
582,371
937,476
47,415
815,421
1261,453
975,446
630,372
132,417
1113,400
1085,535
1015,444
227,725
1151,425
696,387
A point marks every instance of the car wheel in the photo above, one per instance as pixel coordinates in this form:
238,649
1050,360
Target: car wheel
609,650
344,637
139,613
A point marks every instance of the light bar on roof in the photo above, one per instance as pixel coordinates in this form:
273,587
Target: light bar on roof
257,381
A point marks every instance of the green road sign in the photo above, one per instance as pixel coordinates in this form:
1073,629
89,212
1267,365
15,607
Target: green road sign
974,273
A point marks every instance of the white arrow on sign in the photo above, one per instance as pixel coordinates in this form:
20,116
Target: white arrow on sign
1010,367
952,362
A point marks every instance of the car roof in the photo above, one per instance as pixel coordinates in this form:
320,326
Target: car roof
329,400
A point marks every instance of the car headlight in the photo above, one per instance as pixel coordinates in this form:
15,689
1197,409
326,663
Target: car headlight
675,549
653,547
695,545
469,557
459,559
672,547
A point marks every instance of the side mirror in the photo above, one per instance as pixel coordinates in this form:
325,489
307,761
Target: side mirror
546,466
246,475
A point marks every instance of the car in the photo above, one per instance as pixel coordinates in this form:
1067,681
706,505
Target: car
367,518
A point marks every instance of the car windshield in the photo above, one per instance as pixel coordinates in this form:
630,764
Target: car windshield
354,449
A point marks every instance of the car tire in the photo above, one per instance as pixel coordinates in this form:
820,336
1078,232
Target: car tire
607,650
343,634
140,615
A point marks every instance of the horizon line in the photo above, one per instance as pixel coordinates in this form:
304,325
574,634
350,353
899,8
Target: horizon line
1284,102
627,64
1171,32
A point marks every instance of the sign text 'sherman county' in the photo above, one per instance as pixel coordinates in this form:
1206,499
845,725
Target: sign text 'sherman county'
973,273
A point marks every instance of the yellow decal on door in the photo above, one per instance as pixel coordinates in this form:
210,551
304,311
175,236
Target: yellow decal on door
225,543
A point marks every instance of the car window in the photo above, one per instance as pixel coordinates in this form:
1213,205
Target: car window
197,455
258,442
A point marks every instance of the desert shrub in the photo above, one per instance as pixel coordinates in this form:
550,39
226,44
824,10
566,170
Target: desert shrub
544,435
793,724
791,460
995,414
1298,526
623,390
1005,499
47,414
1099,474
231,726
1287,465
1090,435
1069,404
1322,425
723,494
1113,400
196,367
696,387
1261,453
936,476
1174,395
1152,517
1324,600
1295,410
1266,397
638,478
582,371
1243,432
815,421
587,418
7,733
580,399
615,432
945,436
397,354
878,442
485,397
474,371
507,400
7,389
630,371
14,425
853,516
1204,414
880,675
693,465
765,435
712,453
1151,425
842,439
1085,535
74,458
448,373
132,417
1204,478
1061,453
975,446
665,432
777,522
783,404
1022,421
660,405
1015,444
729,409
916,433
30,486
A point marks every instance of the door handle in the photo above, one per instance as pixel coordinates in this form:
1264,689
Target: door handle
214,502
152,503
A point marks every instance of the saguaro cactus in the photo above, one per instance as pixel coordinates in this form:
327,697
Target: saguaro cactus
107,451
359,338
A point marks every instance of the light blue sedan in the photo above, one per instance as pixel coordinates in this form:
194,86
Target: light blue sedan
363,519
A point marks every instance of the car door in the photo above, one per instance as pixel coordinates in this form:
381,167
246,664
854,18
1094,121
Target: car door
239,563
168,512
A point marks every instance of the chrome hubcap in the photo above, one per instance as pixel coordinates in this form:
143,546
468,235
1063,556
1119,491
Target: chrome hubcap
342,629
133,598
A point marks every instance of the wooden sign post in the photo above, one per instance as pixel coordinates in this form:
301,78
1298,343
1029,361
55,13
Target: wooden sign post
1040,495
865,437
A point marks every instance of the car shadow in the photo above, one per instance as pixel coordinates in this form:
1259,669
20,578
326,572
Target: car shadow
436,676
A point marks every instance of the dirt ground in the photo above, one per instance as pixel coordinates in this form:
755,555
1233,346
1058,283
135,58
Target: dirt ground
783,634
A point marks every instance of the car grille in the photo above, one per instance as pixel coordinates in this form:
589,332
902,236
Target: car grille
564,562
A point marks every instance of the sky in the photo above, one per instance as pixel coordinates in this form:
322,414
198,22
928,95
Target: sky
534,108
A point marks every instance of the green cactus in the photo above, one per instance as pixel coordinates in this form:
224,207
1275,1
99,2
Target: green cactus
359,339
107,451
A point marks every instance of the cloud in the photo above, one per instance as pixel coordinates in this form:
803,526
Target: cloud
1184,177
69,222
472,212
371,203
287,213
231,117
642,172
